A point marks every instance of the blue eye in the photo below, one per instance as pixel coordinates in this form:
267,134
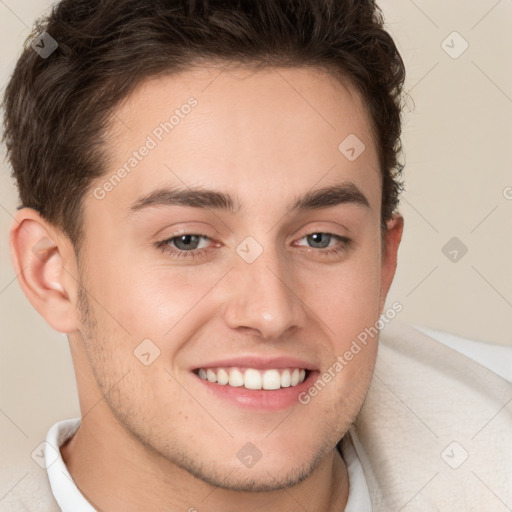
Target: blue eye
319,240
186,245
190,245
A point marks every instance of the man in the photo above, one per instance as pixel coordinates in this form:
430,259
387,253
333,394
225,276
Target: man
209,195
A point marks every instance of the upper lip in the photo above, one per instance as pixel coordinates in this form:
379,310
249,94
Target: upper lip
259,363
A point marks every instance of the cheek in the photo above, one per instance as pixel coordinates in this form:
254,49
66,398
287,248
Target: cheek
346,296
159,301
144,299
348,304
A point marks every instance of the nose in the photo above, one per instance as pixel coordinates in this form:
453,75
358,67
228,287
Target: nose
261,298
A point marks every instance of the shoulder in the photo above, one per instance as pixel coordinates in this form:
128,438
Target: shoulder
24,471
431,410
436,355
497,358
440,380
25,486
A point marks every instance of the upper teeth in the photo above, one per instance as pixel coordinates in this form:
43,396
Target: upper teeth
251,378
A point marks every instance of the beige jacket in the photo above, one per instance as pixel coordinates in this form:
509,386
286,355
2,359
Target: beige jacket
434,434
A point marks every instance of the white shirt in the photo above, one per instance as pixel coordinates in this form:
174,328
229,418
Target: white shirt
66,493
70,499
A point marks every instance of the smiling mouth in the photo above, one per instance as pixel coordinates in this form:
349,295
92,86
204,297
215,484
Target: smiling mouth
254,379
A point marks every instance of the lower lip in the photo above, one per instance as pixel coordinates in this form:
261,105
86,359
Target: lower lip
261,399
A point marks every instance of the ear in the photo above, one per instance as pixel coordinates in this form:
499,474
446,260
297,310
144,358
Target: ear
45,265
395,227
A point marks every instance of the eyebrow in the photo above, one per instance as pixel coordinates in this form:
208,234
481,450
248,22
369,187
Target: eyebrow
344,193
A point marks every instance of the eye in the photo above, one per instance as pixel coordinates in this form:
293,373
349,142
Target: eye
186,245
189,245
321,240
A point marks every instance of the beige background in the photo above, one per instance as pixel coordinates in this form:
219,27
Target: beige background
457,139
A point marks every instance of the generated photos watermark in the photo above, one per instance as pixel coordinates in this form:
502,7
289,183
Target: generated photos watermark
355,348
152,140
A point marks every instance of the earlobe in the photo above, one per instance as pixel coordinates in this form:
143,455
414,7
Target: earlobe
39,255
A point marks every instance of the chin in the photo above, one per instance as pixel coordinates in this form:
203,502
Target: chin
266,478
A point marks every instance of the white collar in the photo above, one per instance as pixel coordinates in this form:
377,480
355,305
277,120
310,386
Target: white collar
64,489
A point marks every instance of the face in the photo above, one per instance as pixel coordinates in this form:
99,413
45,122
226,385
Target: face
255,276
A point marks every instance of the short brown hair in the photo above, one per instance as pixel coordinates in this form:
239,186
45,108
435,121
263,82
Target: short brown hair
57,108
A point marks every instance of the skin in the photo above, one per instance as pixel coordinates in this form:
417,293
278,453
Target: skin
152,433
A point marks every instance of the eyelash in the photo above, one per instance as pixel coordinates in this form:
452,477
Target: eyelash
164,246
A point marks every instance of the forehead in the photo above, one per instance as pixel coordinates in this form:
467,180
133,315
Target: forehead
249,133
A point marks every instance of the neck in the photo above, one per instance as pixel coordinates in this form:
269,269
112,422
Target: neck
116,472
